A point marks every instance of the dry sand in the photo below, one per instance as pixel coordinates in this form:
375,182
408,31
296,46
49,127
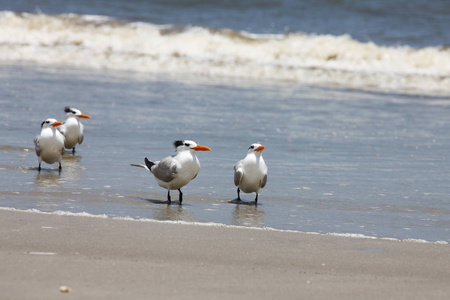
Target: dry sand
98,258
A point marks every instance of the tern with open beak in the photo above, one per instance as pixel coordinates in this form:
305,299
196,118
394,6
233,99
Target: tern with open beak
49,144
174,172
250,174
72,129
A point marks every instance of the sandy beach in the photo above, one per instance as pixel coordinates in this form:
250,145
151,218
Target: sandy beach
100,258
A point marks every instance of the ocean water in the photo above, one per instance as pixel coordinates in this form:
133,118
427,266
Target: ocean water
376,45
350,99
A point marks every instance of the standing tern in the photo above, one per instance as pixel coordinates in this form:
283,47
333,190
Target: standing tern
174,172
72,128
250,174
49,144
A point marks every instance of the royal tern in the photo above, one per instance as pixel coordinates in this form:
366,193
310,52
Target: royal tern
72,129
250,174
49,144
174,172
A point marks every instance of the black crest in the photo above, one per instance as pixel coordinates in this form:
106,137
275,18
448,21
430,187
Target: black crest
46,121
67,109
178,143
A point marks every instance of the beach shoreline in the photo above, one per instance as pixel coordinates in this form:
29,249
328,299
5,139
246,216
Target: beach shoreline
116,258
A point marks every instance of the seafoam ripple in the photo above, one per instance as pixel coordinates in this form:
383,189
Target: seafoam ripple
104,43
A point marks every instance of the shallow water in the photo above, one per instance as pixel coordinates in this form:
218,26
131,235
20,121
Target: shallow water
343,161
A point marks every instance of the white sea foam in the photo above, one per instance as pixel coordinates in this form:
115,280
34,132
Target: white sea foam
101,42
212,224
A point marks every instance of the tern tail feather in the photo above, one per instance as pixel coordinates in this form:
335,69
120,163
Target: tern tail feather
149,164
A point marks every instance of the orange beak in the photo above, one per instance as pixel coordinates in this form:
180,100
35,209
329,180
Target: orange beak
84,116
201,148
260,148
56,124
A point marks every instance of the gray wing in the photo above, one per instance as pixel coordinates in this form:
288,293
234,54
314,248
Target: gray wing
238,174
37,146
62,150
165,170
264,181
140,166
81,136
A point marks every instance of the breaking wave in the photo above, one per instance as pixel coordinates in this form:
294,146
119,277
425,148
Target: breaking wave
105,43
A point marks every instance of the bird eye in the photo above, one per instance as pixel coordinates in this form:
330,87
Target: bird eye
47,122
187,144
251,147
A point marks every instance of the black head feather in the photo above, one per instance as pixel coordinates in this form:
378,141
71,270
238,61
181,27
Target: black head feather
67,109
46,121
178,143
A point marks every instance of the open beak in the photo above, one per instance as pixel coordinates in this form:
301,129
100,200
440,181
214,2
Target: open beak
201,148
84,116
56,124
260,148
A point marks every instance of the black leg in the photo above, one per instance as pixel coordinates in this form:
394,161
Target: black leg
168,197
39,168
60,168
181,196
256,199
239,196
73,150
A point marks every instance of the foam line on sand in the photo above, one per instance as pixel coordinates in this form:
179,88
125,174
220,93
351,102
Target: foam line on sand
212,224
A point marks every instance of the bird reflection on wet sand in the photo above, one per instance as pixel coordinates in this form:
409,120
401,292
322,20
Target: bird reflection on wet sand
171,213
48,178
52,176
247,214
168,212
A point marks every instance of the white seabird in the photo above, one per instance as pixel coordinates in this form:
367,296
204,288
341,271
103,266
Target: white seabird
174,172
72,129
49,144
250,174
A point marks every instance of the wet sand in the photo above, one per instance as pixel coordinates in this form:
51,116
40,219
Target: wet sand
99,258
